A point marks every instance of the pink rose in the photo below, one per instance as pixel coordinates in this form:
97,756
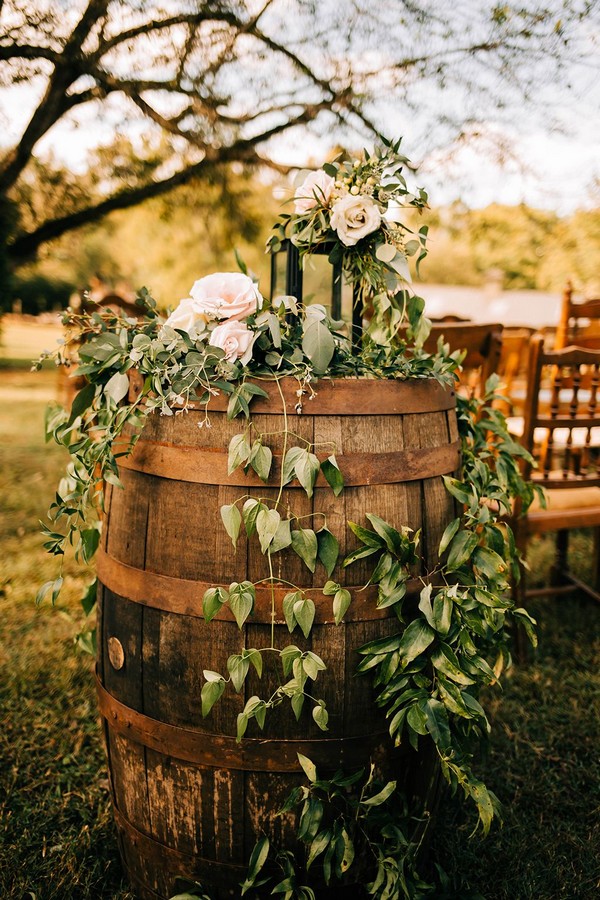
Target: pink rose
316,188
226,295
235,338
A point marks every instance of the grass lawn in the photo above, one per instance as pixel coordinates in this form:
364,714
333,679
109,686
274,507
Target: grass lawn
56,836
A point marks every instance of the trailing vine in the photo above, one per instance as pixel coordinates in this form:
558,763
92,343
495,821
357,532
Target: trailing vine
450,643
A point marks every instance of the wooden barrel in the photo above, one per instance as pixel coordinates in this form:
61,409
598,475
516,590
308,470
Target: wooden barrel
190,801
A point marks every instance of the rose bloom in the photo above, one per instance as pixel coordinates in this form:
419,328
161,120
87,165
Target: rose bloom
187,316
353,217
235,338
317,187
226,295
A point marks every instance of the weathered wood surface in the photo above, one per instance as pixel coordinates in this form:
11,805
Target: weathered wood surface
190,801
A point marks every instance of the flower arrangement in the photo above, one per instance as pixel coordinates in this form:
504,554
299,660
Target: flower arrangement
225,338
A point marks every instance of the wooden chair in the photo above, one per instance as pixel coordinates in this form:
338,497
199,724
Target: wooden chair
579,323
483,344
512,367
562,431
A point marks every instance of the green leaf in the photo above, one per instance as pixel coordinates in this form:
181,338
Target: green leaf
117,387
442,613
238,668
88,601
381,797
288,610
242,725
250,511
238,453
258,858
288,655
360,553
242,597
267,523
312,664
283,536
232,520
304,612
318,345
341,602
90,538
461,549
297,702
393,539
307,468
445,660
304,542
318,846
82,402
415,640
490,563
213,600
328,549
260,460
448,534
437,724
370,538
457,489
332,474
310,770
321,716
211,691
289,463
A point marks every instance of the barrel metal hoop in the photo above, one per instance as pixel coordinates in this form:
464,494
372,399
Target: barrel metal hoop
170,858
223,752
183,596
200,466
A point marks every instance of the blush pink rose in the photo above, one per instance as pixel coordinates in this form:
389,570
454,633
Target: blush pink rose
186,316
226,295
317,187
235,338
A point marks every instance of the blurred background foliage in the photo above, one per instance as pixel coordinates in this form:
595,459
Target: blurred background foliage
167,242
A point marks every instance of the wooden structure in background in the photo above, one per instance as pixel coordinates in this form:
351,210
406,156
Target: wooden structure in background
562,431
579,323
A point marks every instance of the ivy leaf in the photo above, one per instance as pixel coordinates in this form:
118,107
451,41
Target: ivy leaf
283,536
260,460
232,520
312,664
250,510
238,453
267,523
241,600
341,602
238,667
255,657
211,691
288,610
213,600
288,655
307,468
332,474
304,542
289,463
330,587
321,716
328,549
304,612
297,702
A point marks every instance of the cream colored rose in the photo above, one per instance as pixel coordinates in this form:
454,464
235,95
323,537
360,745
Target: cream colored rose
317,187
235,338
187,316
354,217
227,295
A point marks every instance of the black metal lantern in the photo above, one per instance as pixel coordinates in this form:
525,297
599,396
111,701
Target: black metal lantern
293,276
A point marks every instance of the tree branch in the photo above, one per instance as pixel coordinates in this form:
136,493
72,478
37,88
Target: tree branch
27,51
